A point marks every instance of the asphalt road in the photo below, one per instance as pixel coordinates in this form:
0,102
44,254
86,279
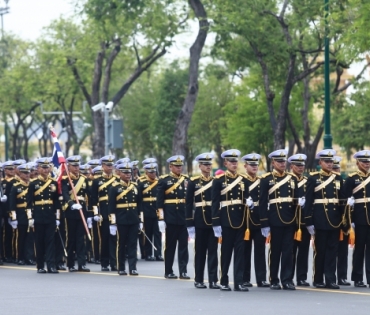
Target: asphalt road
26,292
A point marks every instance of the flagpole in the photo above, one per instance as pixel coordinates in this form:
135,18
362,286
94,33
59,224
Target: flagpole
77,201
63,164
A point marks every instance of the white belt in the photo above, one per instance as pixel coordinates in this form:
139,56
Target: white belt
326,201
280,199
362,200
231,202
203,203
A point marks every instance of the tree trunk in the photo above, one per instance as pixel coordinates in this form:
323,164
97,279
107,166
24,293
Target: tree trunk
183,120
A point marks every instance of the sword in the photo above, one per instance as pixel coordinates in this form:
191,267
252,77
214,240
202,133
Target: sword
60,236
142,231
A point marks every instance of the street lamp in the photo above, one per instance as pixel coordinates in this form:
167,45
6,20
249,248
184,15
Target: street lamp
4,10
107,108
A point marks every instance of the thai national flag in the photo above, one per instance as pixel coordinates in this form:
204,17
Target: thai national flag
58,159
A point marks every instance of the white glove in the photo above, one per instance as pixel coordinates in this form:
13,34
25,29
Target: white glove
162,226
302,201
191,232
265,231
97,218
217,230
250,203
31,223
141,225
57,222
89,223
76,206
353,225
351,201
4,198
14,224
311,229
113,229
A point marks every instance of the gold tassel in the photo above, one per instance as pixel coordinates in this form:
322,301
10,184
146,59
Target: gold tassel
220,240
295,235
268,239
341,235
352,236
247,235
299,235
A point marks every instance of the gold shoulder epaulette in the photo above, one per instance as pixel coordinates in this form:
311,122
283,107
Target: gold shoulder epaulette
32,179
352,174
219,175
292,174
314,173
16,184
64,177
266,174
194,177
115,184
186,176
163,176
337,173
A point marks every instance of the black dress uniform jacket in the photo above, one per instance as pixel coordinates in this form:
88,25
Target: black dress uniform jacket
82,191
228,209
148,192
18,202
43,201
174,212
278,214
254,193
126,206
324,216
361,212
200,214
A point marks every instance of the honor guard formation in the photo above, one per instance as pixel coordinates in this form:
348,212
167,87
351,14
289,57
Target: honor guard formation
99,211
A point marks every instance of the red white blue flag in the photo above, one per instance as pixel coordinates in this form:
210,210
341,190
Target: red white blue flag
58,157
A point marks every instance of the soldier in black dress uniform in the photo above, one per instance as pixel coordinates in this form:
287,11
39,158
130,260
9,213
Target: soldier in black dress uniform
147,186
301,247
94,172
342,259
254,226
357,185
43,200
123,209
229,191
324,216
99,203
7,235
74,224
171,217
19,215
199,223
278,212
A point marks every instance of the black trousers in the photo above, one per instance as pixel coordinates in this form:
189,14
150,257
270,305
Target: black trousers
205,244
281,254
152,231
300,256
45,245
95,240
30,246
8,240
342,259
176,235
259,242
108,246
59,249
325,256
361,252
21,237
75,242
126,241
232,240
141,240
